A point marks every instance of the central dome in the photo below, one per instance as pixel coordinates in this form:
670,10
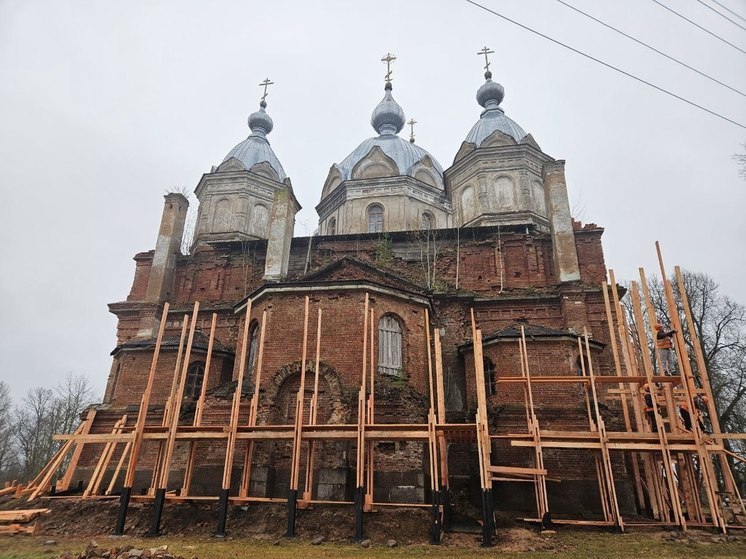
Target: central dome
388,119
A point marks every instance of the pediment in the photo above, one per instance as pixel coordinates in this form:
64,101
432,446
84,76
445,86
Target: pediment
498,139
333,180
376,164
264,169
349,268
465,149
424,171
529,139
231,165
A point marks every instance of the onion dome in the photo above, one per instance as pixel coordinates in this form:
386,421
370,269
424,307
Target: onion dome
388,119
388,116
493,118
256,149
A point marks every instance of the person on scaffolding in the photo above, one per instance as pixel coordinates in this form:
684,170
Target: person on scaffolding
664,343
647,398
700,404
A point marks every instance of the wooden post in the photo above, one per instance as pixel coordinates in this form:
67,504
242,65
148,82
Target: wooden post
230,446
442,443
298,432
687,379
166,420
139,430
361,420
160,494
623,400
605,457
484,445
368,505
246,477
308,493
662,438
103,462
64,484
188,472
712,412
118,469
47,473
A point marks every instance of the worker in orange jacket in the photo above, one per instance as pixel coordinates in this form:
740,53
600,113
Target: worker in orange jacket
647,398
700,402
664,343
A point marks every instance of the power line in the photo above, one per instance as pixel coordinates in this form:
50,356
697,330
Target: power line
652,48
588,56
698,25
727,9
721,14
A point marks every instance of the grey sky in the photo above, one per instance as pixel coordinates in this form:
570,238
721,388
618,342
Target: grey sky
106,105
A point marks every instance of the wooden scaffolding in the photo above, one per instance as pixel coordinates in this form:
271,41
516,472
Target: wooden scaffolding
681,477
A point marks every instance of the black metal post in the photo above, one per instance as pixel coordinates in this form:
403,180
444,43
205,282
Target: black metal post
445,501
160,499
487,520
292,500
124,501
359,493
436,525
222,512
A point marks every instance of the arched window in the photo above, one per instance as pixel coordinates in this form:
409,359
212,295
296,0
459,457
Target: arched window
253,348
489,376
195,377
375,218
428,221
331,228
390,346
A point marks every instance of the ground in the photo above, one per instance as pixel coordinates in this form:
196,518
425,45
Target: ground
258,531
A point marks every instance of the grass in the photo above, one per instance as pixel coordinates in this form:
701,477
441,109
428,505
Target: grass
566,543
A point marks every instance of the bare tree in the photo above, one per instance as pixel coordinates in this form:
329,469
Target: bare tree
428,241
720,326
43,413
8,462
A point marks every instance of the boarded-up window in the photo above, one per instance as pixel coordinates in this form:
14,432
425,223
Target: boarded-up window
489,376
253,348
390,346
195,375
375,218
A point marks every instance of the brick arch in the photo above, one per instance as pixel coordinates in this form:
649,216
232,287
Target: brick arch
287,371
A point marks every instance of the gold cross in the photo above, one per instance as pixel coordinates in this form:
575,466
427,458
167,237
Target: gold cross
411,123
388,59
485,51
265,83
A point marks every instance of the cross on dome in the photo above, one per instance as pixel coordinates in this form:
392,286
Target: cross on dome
266,83
485,51
411,123
388,59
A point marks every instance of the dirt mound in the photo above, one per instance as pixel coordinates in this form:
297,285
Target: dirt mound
84,518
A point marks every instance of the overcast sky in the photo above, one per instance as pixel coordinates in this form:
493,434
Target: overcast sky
105,106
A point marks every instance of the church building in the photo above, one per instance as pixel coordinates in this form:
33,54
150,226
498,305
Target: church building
418,244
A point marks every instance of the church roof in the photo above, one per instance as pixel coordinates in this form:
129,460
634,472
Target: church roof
388,120
256,149
493,118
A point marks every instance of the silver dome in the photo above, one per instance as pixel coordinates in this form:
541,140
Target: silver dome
493,118
388,117
405,154
256,149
